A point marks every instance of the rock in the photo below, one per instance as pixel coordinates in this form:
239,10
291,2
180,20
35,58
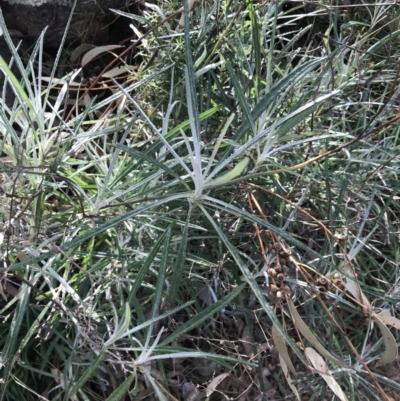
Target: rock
28,18
89,23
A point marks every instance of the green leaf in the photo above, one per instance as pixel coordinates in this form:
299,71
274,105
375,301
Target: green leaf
7,359
122,389
240,95
161,274
159,392
146,265
248,277
102,228
284,84
203,315
19,91
256,38
156,319
177,271
85,377
230,175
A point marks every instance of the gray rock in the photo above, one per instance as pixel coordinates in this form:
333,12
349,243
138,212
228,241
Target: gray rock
30,17
89,23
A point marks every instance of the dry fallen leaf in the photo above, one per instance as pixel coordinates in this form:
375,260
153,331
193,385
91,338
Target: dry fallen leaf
206,368
114,72
288,378
303,328
214,383
386,317
391,350
83,48
189,391
322,369
246,342
353,288
281,347
91,54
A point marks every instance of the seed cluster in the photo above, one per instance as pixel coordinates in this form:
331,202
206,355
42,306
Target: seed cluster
279,268
278,271
325,284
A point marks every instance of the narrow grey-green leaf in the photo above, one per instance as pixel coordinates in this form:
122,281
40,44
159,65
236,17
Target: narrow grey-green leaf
256,37
254,286
177,272
161,274
122,389
9,350
85,377
203,315
102,228
240,95
145,267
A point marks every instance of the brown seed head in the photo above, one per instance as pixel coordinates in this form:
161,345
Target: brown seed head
338,283
273,288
